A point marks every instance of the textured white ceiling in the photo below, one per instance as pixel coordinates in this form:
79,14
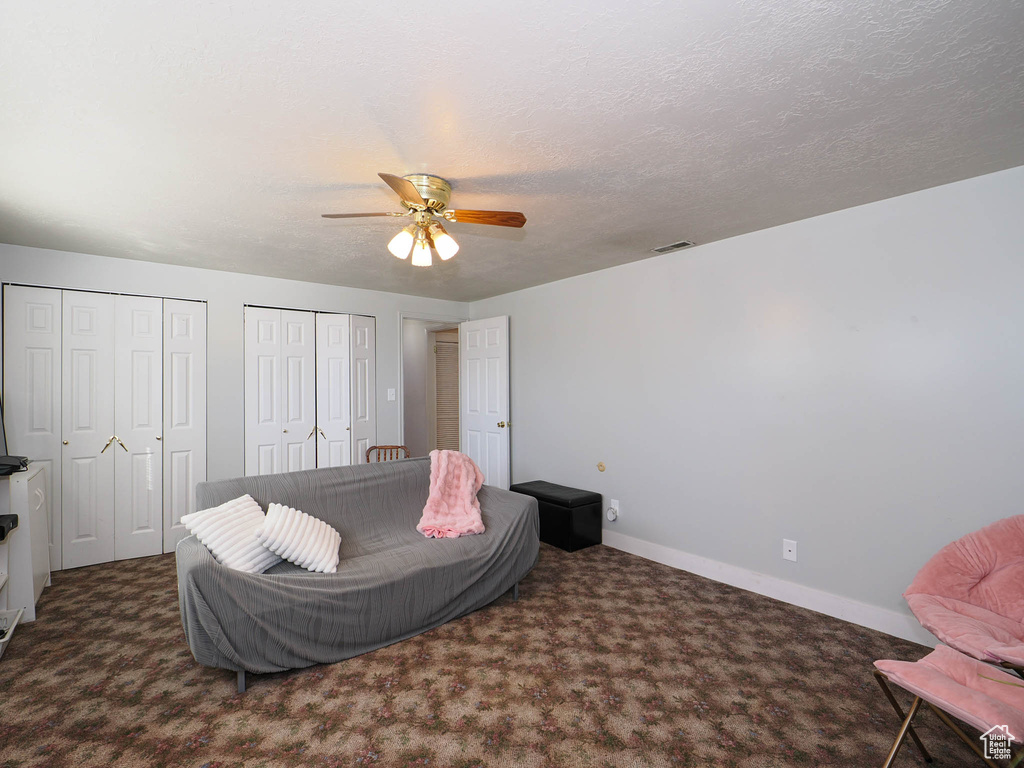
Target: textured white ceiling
214,134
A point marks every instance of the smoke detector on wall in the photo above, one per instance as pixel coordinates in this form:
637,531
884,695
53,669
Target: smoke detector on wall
673,247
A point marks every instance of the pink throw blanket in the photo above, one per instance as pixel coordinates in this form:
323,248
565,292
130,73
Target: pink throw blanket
452,508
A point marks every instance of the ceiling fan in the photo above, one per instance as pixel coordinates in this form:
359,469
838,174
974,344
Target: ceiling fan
424,198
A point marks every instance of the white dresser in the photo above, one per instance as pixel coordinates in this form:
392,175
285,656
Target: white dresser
25,555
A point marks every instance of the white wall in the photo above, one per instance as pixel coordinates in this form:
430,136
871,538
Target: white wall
853,381
414,380
226,293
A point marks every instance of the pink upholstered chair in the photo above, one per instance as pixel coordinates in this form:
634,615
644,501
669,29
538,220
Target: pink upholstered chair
971,594
953,684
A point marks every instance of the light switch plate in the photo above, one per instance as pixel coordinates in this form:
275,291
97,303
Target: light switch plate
789,550
391,394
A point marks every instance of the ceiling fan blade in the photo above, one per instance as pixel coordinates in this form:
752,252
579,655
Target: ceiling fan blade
404,188
499,218
356,215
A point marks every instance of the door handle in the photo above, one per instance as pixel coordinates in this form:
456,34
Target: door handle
311,433
322,434
108,444
121,444
501,424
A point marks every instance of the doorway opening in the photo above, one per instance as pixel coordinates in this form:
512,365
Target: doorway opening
430,385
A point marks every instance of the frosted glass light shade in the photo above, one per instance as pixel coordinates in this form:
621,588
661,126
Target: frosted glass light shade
421,254
443,242
401,243
446,246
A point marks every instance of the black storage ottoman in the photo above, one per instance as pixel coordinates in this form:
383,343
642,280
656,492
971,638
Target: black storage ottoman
569,517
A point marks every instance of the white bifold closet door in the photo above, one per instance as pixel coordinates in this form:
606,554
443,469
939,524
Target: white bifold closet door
32,389
109,380
333,391
280,391
138,426
364,386
310,380
87,468
184,437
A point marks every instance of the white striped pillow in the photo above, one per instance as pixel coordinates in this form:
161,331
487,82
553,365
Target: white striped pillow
228,531
300,538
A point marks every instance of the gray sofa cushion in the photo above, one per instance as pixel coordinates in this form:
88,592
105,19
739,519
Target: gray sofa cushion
392,582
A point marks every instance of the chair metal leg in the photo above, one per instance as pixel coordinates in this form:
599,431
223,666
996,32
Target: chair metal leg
963,736
902,734
241,681
899,711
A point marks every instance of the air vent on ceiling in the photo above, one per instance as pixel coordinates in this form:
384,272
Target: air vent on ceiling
672,247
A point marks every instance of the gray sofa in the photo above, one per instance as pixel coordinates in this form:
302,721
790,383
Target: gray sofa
392,582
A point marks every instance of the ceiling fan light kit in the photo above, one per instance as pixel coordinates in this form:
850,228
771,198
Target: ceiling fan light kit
425,196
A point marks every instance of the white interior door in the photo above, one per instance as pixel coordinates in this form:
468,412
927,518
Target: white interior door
87,474
483,361
263,419
138,425
298,384
364,385
333,385
32,389
184,435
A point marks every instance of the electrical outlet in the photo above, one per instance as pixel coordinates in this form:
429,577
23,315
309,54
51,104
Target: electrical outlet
613,510
789,550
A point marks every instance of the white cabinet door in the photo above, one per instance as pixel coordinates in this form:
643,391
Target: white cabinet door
364,386
263,421
32,390
138,426
483,358
298,389
333,399
184,435
87,474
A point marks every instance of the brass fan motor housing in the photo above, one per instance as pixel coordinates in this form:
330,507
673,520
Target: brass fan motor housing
435,191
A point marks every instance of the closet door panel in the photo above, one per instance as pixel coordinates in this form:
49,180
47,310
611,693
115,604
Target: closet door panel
88,426
364,384
263,396
298,355
184,431
32,389
333,391
138,424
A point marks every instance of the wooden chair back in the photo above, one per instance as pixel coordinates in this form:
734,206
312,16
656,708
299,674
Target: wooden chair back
387,452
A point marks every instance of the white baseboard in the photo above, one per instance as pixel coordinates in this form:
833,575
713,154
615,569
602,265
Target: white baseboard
884,620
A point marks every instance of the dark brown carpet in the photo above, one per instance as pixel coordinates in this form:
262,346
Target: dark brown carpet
606,660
